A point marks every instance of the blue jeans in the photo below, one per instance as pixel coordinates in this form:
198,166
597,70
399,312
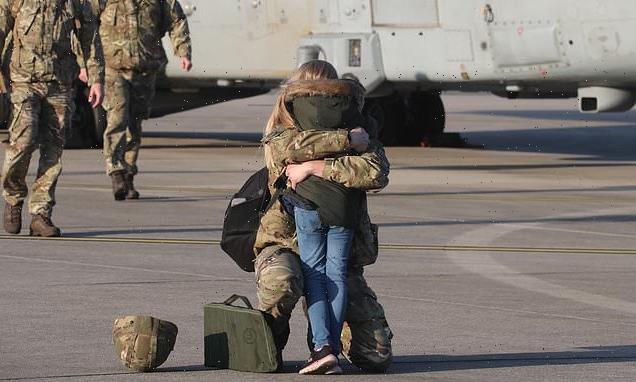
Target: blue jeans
324,251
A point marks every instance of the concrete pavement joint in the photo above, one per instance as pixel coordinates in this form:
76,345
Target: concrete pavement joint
484,265
77,263
386,246
509,310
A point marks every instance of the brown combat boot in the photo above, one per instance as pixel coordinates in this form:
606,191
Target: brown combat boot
41,225
119,185
13,218
132,193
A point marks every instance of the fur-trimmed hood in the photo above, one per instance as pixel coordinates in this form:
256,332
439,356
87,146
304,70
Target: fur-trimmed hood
311,88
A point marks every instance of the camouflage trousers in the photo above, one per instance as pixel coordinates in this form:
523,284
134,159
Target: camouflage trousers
41,112
127,103
366,337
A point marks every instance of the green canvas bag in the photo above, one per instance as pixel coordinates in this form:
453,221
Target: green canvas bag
238,338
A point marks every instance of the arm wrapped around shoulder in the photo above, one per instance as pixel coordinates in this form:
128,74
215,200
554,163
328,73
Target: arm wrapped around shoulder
368,171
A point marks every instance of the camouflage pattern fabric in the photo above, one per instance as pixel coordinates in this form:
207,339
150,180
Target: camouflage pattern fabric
42,68
279,278
42,31
41,113
367,171
366,338
131,32
279,285
143,343
127,103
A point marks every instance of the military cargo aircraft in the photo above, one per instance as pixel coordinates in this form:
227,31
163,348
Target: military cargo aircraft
405,52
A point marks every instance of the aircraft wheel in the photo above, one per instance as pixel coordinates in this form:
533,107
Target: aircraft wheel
390,115
426,117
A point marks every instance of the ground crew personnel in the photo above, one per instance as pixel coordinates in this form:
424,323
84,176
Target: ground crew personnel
42,69
131,32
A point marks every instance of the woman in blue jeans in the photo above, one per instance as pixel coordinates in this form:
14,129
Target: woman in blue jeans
325,212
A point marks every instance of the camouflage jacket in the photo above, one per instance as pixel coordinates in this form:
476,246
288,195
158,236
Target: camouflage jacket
368,171
42,32
131,32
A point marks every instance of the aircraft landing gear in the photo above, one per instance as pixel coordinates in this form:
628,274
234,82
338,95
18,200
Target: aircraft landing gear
389,113
416,119
426,118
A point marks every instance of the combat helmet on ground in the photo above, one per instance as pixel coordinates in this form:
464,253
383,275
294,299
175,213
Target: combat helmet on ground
143,343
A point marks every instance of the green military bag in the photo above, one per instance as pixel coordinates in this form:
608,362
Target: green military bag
238,338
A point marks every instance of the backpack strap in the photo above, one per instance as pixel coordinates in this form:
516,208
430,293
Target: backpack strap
280,184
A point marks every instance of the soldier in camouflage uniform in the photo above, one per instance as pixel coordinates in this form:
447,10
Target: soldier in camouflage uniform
131,32
367,337
42,68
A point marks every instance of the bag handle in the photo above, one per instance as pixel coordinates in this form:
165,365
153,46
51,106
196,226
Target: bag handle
235,297
279,184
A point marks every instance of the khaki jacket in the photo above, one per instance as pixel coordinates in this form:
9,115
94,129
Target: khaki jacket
42,31
368,171
131,32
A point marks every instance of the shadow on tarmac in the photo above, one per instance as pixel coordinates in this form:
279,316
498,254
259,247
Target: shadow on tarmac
593,218
495,192
611,143
411,364
504,167
432,363
563,114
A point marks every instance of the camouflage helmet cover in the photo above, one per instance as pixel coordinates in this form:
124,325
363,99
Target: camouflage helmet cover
143,343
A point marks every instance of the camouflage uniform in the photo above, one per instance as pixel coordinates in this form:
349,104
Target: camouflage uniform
367,341
42,69
131,32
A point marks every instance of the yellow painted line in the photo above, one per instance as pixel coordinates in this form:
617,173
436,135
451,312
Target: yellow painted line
132,240
385,246
479,248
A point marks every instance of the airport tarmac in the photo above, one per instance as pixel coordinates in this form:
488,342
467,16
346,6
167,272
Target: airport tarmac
514,260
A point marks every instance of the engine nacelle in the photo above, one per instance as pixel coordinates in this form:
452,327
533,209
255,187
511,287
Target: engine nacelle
598,99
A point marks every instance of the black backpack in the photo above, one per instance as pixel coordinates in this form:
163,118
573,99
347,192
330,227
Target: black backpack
242,218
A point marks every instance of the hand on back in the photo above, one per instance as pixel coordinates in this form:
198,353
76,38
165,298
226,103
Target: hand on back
359,139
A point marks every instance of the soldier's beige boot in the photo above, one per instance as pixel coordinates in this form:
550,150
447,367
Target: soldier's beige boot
132,193
119,185
41,225
13,218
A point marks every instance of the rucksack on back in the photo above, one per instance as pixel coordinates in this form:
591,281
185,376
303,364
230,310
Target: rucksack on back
242,218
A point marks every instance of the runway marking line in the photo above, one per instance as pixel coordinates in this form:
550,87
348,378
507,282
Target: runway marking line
385,246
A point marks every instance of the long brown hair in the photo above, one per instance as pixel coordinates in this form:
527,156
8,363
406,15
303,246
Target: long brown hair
311,70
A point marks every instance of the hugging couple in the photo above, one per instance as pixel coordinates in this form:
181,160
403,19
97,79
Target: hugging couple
316,238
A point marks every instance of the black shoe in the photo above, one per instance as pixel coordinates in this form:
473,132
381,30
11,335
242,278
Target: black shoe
13,218
132,193
279,360
336,370
320,362
119,185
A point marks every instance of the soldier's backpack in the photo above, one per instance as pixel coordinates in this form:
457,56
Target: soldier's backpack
239,338
242,218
